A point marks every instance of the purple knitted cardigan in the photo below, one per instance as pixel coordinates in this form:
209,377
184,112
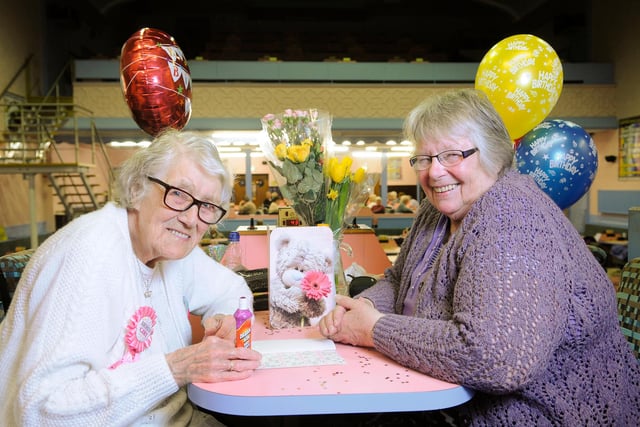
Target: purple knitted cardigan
517,308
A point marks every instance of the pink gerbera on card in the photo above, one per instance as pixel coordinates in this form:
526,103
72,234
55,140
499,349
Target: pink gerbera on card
316,284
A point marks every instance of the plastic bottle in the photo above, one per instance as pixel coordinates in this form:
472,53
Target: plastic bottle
232,257
243,316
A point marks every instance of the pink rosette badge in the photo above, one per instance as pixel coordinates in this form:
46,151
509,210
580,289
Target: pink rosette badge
316,285
140,329
139,334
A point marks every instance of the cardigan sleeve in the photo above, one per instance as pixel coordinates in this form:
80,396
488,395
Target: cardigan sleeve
210,287
383,293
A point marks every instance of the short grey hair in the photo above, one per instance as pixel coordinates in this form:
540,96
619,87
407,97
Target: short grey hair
166,149
463,113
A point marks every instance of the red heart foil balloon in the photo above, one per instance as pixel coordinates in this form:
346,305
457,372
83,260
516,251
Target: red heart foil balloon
156,81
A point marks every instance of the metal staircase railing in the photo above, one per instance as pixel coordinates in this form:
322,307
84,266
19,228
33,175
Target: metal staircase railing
31,142
29,131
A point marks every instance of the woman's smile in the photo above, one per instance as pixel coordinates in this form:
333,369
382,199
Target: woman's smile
445,188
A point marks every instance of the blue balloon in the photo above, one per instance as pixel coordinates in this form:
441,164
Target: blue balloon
562,159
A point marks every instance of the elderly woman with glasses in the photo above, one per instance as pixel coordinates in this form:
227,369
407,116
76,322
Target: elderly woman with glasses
494,288
98,332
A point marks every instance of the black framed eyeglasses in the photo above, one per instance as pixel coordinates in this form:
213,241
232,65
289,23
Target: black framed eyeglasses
179,200
446,158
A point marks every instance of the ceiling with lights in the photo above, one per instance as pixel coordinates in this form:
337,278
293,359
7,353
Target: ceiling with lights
294,30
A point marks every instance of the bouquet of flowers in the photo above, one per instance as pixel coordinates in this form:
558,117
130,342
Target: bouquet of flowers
346,193
295,149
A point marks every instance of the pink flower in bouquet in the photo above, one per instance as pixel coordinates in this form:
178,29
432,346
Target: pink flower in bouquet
316,284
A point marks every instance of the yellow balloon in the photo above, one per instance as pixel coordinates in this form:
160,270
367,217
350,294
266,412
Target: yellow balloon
522,76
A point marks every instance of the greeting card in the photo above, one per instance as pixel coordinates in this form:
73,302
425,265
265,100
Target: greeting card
301,276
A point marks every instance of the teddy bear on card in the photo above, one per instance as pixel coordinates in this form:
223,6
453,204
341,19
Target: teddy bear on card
301,288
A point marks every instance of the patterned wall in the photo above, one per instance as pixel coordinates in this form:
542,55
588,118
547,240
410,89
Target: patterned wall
343,101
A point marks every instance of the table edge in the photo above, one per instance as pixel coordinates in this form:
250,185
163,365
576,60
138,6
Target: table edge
328,403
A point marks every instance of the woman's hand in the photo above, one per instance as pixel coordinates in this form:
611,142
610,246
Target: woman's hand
351,321
221,326
213,360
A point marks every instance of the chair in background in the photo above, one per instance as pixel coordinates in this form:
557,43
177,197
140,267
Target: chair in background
11,267
629,303
360,283
618,255
600,254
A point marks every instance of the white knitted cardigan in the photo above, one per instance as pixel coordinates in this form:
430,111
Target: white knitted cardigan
67,321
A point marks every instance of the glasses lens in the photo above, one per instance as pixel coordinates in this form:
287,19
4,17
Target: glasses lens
176,199
209,213
450,158
421,163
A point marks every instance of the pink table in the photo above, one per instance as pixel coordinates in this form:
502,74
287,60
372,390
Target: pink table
368,382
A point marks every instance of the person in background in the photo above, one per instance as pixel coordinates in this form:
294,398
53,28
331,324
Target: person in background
403,206
494,288
247,208
277,203
371,200
392,201
98,331
267,201
378,207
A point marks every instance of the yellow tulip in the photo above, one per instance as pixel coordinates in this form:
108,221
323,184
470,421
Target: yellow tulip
339,169
333,194
358,176
281,151
330,163
298,153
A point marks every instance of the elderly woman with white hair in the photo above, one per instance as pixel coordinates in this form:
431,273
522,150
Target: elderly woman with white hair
98,331
494,288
